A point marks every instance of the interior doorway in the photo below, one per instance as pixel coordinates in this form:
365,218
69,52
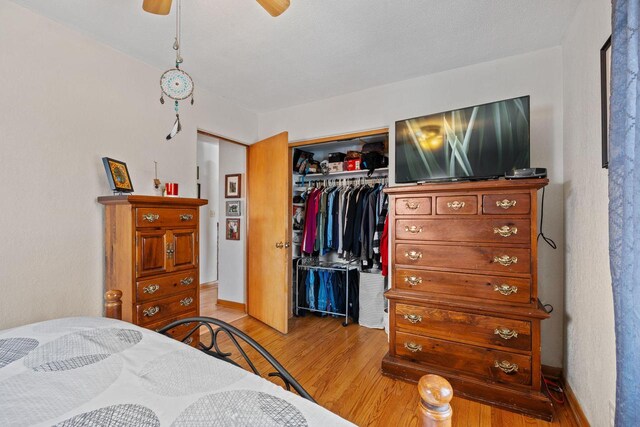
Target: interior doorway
222,256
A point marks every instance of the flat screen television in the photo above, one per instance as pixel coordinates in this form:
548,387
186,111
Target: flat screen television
479,142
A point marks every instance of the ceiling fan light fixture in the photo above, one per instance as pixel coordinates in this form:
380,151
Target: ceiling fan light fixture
158,7
274,7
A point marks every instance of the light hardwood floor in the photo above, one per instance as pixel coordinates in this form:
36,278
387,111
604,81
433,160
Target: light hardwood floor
340,368
209,308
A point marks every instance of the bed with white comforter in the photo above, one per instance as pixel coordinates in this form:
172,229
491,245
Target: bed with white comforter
103,372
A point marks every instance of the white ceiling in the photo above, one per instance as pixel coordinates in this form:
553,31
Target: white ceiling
317,48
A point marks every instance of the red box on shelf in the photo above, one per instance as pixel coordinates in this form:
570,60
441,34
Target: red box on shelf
352,164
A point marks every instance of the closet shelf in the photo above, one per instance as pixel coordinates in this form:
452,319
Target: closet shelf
343,173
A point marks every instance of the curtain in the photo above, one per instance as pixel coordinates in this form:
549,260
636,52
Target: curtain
624,207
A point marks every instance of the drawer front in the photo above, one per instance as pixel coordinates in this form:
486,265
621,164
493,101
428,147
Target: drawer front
413,206
181,331
506,204
456,205
166,217
164,286
487,288
464,327
154,311
474,258
488,230
481,362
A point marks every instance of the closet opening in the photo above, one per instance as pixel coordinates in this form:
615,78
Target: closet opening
338,212
222,254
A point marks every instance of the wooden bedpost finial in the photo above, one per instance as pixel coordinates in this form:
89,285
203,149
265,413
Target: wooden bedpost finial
113,304
435,395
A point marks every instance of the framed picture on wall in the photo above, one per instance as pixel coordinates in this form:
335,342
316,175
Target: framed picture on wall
234,208
605,94
233,186
233,229
118,175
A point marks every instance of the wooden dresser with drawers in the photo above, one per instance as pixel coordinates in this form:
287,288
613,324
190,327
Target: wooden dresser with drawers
463,301
151,255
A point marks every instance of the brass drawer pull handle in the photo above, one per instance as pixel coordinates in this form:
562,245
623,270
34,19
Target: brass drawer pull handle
412,205
505,260
506,334
414,229
186,281
506,203
413,347
151,311
505,230
413,255
188,340
413,280
186,217
506,367
505,289
150,217
456,205
186,302
170,250
151,289
413,318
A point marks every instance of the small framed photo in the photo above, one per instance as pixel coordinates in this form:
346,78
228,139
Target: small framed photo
118,175
233,229
234,208
605,94
232,186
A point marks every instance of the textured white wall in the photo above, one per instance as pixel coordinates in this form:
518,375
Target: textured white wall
233,253
590,364
538,74
68,101
209,164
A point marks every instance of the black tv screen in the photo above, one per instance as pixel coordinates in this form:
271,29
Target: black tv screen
477,142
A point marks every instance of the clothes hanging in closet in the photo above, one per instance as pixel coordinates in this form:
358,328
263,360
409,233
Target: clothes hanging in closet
345,219
325,290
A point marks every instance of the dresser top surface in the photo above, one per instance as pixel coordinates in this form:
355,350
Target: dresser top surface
150,200
496,185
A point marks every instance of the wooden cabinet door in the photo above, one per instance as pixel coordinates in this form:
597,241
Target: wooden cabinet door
269,235
151,257
183,250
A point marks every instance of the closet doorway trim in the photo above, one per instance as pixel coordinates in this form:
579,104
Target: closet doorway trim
342,137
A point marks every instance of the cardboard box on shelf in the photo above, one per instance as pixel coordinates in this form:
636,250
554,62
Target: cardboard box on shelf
336,167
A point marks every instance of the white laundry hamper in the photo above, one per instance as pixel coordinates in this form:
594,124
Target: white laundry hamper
371,300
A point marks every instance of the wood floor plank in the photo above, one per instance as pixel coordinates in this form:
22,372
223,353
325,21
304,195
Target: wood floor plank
340,368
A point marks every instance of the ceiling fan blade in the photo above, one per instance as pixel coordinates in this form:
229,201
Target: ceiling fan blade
274,7
158,7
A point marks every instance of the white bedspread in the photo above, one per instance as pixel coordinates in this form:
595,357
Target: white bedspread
104,372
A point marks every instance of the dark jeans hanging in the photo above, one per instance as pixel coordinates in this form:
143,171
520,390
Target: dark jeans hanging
336,280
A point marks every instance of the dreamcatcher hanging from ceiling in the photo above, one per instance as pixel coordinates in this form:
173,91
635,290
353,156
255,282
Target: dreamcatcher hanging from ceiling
176,83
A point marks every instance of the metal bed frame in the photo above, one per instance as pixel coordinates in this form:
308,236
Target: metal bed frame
217,328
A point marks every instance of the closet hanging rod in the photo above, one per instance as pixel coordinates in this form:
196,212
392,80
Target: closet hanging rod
319,267
381,179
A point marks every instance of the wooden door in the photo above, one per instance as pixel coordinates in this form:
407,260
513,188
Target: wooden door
269,231
185,250
151,256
